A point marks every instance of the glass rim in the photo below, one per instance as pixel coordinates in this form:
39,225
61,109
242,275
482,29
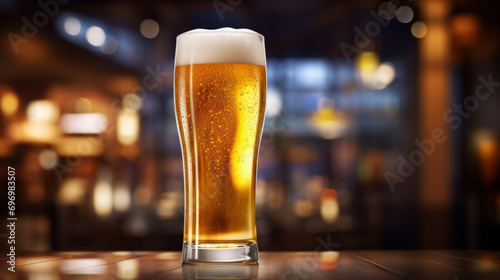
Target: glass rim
224,30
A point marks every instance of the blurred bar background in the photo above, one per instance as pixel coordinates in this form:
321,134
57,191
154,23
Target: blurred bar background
381,131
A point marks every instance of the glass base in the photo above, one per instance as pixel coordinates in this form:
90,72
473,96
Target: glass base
243,253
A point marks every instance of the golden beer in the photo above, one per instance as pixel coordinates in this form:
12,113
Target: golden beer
220,113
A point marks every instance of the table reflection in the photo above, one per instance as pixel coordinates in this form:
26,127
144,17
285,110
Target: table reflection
247,272
383,265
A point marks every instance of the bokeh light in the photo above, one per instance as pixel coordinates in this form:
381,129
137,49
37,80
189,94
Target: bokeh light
329,208
132,101
128,126
83,105
89,123
110,46
149,28
42,111
72,26
465,29
386,73
303,208
273,103
47,159
367,62
121,198
404,14
95,36
374,75
10,103
387,10
103,194
72,191
419,29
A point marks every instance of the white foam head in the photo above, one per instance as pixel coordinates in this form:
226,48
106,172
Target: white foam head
224,45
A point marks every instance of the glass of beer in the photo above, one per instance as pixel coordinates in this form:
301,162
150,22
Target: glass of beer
220,96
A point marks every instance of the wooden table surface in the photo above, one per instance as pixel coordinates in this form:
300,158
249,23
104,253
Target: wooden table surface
439,265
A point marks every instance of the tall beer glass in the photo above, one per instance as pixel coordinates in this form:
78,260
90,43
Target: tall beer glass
220,89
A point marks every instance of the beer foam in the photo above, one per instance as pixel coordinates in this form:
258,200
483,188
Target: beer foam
224,45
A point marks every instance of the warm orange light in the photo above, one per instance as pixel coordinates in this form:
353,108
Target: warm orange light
10,103
488,153
329,123
328,194
329,208
168,204
121,198
329,260
72,192
83,105
435,9
6,147
42,111
303,208
128,126
465,29
103,194
82,146
34,132
128,269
